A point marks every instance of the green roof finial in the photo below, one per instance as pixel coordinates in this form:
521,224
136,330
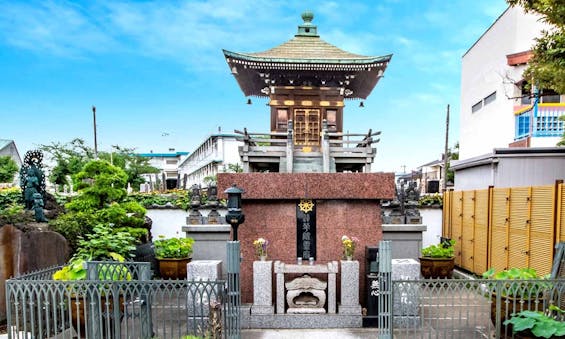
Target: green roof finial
307,16
307,28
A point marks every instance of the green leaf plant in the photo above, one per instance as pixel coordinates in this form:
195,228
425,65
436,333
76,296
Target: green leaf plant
178,248
444,250
541,325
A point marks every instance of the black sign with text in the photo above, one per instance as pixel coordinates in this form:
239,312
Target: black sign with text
306,229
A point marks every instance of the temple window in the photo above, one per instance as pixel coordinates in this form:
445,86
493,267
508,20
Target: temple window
331,118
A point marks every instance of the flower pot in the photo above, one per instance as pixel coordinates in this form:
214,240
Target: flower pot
80,319
173,268
263,257
433,268
349,257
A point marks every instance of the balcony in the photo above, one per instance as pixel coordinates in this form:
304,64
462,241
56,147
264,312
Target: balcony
540,121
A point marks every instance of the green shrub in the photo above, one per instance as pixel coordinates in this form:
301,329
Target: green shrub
10,196
523,287
173,247
435,199
541,325
14,213
73,225
103,241
443,250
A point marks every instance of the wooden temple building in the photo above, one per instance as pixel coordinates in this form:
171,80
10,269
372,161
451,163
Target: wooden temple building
303,206
307,81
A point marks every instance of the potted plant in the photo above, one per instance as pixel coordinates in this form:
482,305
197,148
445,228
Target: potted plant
535,324
173,255
438,261
102,245
519,290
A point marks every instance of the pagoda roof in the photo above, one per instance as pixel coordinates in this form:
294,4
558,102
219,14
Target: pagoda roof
308,50
306,59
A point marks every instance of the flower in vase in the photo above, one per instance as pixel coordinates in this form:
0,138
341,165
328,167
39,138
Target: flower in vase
348,245
261,245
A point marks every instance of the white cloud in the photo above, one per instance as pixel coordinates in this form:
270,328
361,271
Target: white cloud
59,29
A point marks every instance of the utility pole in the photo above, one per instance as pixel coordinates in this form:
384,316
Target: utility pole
95,142
445,161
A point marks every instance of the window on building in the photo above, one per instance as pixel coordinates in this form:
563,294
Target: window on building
331,118
490,98
172,162
549,96
282,118
477,106
526,97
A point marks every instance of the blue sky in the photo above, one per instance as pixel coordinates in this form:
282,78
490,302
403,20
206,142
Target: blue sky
156,72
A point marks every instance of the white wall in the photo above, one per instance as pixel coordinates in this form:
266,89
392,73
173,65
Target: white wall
484,70
167,222
432,218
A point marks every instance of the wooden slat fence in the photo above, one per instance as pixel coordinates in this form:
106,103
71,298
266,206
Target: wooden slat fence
505,227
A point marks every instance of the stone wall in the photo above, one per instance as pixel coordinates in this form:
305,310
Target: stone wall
346,204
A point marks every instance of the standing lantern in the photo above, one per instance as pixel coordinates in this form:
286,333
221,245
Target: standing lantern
234,217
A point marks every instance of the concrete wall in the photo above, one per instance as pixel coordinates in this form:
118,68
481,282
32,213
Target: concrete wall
167,222
432,218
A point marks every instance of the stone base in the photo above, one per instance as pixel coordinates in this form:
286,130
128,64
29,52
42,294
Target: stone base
255,309
290,321
406,321
306,310
349,310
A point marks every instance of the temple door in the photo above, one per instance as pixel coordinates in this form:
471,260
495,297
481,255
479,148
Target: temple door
307,127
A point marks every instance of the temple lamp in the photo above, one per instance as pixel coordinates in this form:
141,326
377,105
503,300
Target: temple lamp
234,217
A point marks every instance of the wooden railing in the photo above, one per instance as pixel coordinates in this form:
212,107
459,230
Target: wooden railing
272,147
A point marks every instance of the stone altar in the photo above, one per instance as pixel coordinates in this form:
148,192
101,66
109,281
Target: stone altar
306,294
331,269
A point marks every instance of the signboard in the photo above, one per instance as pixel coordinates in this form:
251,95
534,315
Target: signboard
306,229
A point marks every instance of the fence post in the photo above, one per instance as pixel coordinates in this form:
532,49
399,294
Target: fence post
233,329
384,318
498,325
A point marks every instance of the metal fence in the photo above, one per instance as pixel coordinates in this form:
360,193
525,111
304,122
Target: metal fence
39,307
459,308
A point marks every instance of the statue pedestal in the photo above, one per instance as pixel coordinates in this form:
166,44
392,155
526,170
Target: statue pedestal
262,288
349,288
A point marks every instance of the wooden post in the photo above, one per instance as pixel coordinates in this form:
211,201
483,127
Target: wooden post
445,160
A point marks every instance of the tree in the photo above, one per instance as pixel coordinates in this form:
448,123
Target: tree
452,155
71,157
547,66
8,169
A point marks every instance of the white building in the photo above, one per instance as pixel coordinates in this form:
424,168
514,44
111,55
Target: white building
493,112
168,164
8,148
210,158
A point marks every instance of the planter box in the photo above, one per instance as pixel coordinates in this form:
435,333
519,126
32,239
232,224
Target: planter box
433,268
172,268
